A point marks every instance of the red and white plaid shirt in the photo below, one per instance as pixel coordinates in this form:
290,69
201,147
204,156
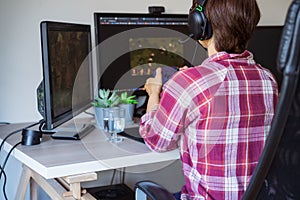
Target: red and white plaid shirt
219,113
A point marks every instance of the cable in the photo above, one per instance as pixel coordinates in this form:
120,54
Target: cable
123,175
16,131
113,177
2,168
4,184
4,123
41,126
6,159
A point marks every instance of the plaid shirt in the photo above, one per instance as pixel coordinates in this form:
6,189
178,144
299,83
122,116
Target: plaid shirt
219,113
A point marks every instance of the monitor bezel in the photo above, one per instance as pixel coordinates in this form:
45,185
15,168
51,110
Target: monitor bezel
97,15
52,121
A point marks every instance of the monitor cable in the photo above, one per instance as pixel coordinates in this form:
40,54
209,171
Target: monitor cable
16,131
3,172
4,123
42,130
121,174
4,183
7,157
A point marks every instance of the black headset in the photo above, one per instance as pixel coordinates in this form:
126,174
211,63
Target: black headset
199,26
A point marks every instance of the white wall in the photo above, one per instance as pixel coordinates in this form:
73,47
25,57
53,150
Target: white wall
20,51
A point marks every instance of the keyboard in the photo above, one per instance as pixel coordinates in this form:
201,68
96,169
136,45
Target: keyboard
132,133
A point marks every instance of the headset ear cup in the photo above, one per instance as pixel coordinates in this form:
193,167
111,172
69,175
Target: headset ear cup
199,26
194,20
208,30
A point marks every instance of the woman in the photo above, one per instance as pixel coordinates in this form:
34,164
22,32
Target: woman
218,113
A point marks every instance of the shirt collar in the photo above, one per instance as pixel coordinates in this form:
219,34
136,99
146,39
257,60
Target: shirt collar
246,56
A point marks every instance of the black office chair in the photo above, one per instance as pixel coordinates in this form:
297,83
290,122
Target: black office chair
277,174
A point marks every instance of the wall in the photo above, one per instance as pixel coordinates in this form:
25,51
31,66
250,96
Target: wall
20,51
21,62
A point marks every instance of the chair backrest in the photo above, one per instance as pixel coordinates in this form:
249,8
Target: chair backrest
277,174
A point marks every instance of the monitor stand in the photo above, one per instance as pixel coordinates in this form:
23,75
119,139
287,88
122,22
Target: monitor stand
72,131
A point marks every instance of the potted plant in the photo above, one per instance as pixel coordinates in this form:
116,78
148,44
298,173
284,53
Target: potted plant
104,100
128,103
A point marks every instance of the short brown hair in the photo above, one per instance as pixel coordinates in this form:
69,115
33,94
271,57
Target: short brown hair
233,23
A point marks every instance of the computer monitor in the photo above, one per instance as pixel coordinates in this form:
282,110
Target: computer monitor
131,46
67,86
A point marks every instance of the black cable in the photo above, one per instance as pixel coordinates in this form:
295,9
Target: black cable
4,184
4,123
113,177
2,169
1,145
16,131
123,175
41,126
6,159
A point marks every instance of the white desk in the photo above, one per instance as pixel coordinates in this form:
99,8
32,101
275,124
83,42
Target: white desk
64,158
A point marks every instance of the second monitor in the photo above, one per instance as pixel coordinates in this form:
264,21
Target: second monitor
131,46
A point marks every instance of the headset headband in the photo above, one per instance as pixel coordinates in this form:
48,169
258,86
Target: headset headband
200,2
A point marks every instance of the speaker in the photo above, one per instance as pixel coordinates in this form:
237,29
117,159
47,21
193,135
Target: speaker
198,24
31,137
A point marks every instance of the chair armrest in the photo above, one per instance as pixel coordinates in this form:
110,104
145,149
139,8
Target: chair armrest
154,191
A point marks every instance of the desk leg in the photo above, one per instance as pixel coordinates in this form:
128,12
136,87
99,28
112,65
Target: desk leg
29,176
52,187
33,190
46,186
23,184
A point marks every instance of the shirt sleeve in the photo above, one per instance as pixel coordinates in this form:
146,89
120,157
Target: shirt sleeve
161,128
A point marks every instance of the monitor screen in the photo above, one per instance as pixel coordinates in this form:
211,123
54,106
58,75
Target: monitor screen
131,46
127,54
66,89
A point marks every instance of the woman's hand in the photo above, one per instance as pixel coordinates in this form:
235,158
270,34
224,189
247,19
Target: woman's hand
153,85
183,68
153,88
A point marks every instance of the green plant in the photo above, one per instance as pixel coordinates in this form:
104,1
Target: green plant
106,99
125,99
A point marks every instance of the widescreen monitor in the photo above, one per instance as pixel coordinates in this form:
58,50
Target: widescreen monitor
124,58
131,46
67,86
